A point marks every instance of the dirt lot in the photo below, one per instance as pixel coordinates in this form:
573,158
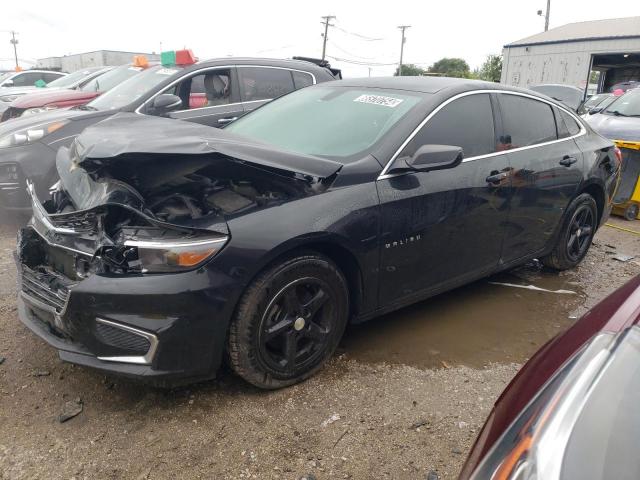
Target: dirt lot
439,364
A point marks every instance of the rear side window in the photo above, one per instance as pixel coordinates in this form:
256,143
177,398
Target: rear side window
301,79
525,122
571,124
264,83
466,122
50,77
26,79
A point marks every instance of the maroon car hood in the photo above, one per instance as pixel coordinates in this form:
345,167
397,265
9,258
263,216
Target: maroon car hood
59,98
615,313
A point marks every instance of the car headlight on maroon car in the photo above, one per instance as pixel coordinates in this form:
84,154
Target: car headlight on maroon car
157,256
32,111
31,134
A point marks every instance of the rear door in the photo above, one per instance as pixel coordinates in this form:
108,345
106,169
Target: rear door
261,84
444,227
547,171
209,97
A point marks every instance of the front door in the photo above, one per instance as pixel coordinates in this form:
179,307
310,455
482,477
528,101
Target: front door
442,227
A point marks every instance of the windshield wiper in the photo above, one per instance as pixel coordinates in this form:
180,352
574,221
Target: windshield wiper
618,114
85,107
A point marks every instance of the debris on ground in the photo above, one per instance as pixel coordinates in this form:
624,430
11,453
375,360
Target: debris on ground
41,373
418,424
71,409
533,287
333,418
432,475
621,257
2,359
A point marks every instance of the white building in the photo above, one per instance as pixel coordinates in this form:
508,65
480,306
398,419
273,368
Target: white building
71,63
568,54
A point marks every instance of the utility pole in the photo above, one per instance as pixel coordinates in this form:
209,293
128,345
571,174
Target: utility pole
546,15
15,49
327,24
402,28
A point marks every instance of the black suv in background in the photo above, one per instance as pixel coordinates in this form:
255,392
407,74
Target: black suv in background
212,92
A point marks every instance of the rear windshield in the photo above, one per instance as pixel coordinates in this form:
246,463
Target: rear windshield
71,80
131,90
334,122
628,105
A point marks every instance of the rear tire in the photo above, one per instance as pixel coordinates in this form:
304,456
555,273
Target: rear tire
577,230
288,322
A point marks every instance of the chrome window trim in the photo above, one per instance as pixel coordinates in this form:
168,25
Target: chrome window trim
198,72
145,359
383,175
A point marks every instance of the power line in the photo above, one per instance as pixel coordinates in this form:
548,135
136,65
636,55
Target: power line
359,62
327,24
349,53
362,37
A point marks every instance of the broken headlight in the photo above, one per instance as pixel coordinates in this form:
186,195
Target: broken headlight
31,134
151,256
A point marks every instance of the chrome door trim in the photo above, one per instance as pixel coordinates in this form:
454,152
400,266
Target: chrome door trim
383,175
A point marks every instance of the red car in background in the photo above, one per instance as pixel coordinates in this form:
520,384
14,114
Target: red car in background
572,410
43,101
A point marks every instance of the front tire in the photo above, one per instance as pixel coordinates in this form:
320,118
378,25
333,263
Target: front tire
576,234
288,322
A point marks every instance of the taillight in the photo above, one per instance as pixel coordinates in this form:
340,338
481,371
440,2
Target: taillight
618,154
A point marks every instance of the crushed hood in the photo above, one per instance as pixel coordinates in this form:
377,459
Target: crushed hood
131,138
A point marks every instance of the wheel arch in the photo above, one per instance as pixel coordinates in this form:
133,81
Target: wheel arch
596,190
337,250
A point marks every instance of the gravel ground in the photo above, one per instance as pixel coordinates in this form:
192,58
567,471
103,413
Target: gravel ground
354,420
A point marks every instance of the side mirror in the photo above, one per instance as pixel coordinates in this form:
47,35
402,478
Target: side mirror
165,103
8,83
434,157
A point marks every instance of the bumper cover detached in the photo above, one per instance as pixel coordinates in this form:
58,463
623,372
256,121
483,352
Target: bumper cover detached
161,329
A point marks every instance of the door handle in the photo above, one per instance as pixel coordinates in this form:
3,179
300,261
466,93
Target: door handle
224,121
496,177
568,160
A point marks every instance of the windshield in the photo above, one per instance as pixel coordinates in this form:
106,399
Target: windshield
628,105
595,100
110,79
327,121
71,80
5,75
130,90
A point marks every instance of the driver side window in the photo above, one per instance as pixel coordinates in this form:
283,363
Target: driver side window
207,89
466,122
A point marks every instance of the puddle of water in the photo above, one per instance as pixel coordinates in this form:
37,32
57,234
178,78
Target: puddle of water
474,325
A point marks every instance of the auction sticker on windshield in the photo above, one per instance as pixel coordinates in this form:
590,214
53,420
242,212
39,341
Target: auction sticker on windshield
379,100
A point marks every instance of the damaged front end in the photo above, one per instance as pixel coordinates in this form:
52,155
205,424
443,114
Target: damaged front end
110,265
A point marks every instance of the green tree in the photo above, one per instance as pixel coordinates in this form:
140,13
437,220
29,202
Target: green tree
451,67
410,70
491,69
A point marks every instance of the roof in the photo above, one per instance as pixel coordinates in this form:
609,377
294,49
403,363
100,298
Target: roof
425,84
613,28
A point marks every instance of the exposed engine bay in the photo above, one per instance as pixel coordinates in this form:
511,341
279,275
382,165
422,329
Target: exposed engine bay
148,195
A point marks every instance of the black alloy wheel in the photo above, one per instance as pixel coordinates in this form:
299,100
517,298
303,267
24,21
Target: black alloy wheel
575,234
296,325
289,321
581,233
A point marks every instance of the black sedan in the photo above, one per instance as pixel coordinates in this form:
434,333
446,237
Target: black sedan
169,245
212,92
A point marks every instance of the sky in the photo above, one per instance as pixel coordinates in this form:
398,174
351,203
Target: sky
363,31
